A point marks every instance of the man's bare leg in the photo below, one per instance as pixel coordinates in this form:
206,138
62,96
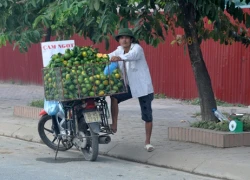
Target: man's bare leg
114,114
148,127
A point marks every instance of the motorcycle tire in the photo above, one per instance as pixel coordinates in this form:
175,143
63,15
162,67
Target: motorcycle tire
50,143
90,152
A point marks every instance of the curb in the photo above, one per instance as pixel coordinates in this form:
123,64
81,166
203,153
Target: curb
27,111
209,137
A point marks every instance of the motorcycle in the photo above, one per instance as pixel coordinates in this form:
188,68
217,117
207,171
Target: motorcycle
80,123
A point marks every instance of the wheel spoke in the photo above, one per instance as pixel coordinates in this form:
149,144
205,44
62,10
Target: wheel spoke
54,140
48,130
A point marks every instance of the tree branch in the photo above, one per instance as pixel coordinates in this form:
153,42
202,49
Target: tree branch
240,38
21,2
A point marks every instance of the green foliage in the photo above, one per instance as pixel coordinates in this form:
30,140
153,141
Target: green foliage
246,122
24,22
211,125
196,101
37,103
160,96
222,126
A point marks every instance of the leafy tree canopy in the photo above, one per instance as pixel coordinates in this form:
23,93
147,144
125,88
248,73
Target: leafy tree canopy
24,22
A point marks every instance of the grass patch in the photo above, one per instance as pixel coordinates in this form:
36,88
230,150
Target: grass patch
12,81
37,103
197,114
160,96
196,101
222,126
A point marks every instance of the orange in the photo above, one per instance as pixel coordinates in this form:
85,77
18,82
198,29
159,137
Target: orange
99,55
104,55
105,82
111,82
97,76
97,82
88,86
84,53
84,90
101,93
91,79
91,93
115,88
117,76
83,73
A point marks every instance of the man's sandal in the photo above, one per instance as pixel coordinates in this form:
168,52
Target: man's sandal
113,130
149,147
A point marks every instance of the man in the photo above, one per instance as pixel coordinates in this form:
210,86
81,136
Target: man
139,81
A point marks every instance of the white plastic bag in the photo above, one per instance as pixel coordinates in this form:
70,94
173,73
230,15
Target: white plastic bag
51,107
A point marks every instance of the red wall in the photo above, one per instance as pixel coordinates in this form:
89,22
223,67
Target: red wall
229,68
21,67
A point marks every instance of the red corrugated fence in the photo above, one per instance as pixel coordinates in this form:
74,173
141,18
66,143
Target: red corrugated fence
229,68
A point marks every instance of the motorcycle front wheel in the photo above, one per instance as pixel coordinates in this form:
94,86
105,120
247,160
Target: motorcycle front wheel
46,133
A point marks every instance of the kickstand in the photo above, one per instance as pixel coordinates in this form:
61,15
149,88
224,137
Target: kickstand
57,147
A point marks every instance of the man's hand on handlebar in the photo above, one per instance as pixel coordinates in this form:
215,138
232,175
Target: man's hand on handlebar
115,58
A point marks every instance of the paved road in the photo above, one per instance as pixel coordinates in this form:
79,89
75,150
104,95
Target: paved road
25,160
128,142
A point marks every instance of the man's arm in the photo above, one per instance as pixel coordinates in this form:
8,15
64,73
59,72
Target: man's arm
112,54
133,55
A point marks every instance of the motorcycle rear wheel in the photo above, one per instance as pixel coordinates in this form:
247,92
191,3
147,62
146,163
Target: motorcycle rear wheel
90,152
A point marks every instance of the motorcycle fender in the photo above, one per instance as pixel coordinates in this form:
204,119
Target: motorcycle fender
95,127
42,112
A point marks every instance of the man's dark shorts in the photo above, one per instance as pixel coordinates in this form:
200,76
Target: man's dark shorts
145,103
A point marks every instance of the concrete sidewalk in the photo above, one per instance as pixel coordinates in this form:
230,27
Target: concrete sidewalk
128,142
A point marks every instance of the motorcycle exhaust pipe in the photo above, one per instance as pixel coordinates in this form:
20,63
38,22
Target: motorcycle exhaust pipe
104,139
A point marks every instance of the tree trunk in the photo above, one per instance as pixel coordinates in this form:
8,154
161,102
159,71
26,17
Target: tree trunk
203,81
48,35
